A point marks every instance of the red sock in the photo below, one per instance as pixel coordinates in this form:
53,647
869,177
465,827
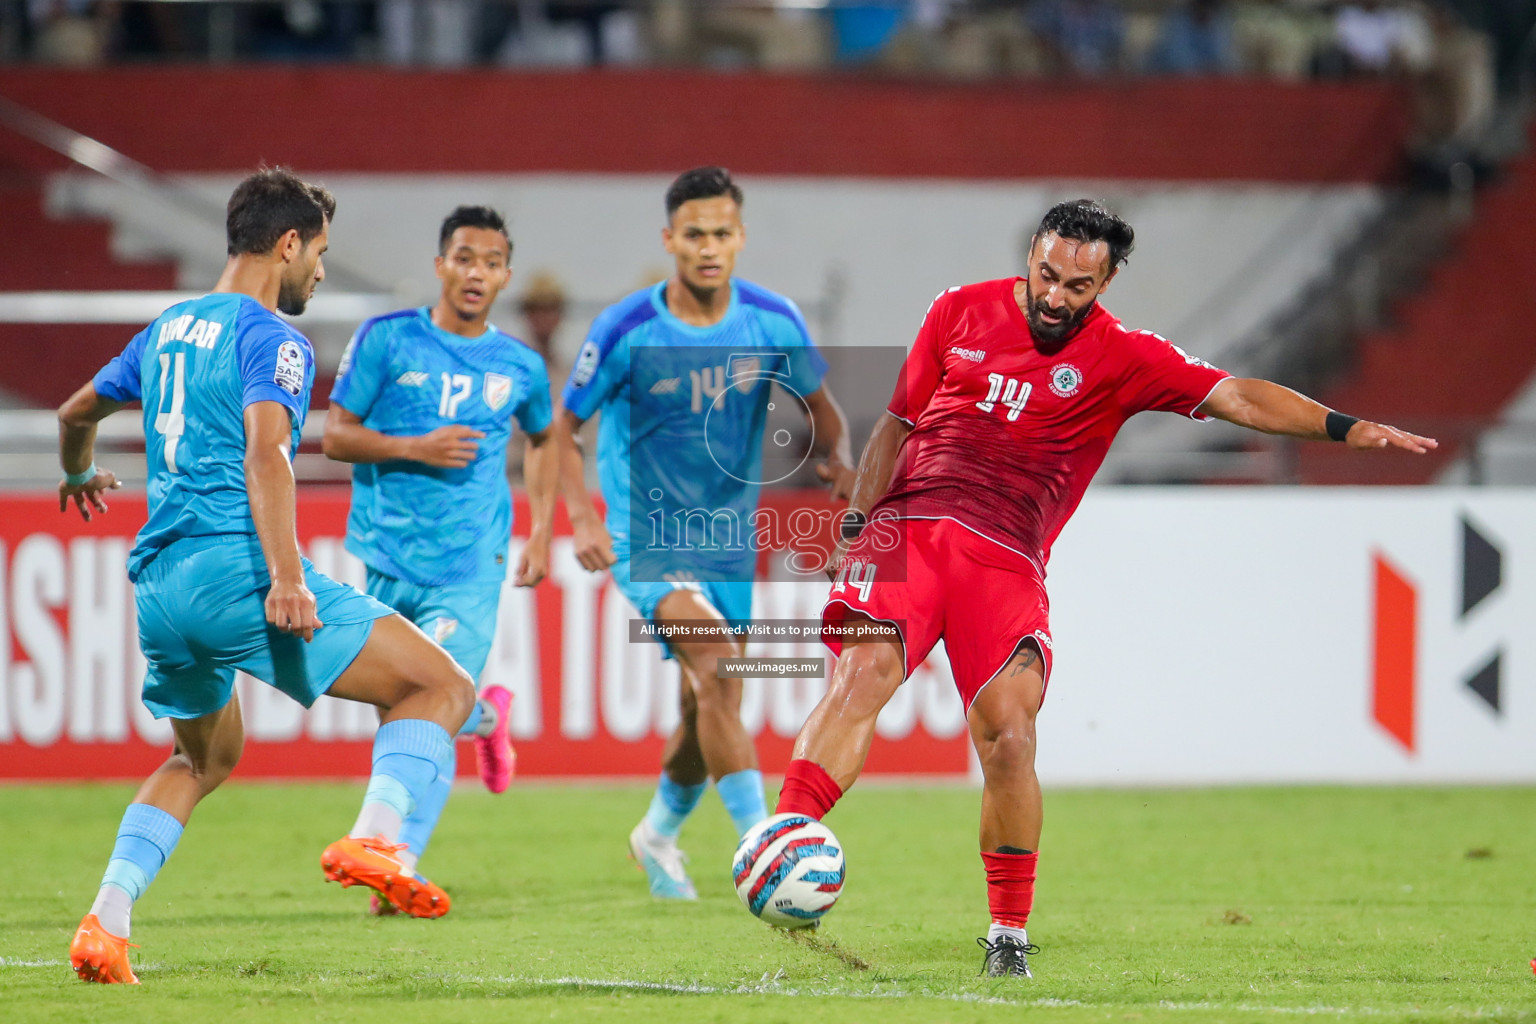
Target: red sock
1010,886
808,790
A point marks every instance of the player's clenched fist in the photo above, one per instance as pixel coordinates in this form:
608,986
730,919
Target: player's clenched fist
1366,435
291,608
533,566
594,547
839,477
451,447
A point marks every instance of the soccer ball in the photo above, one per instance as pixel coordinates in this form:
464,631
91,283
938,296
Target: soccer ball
789,870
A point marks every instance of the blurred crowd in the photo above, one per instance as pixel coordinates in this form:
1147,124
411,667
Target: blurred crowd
1456,52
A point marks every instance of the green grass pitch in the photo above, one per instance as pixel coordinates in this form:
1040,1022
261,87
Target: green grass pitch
1159,905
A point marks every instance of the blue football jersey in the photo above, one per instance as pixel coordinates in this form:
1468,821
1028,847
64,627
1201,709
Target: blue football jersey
196,368
680,445
404,376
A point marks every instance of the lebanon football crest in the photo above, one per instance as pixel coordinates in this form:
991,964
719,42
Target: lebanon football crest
498,388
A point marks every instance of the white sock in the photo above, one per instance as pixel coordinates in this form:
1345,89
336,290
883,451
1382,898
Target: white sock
377,819
488,719
407,860
112,908
999,930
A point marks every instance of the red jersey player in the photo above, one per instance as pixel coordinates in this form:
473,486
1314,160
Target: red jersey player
1005,408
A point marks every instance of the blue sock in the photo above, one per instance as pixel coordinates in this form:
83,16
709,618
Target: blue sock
406,753
742,794
472,723
416,833
672,804
145,839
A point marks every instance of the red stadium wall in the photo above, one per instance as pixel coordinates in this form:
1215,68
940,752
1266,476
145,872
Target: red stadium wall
589,703
358,119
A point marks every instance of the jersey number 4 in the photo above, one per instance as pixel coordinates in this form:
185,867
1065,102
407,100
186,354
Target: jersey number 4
1011,391
172,422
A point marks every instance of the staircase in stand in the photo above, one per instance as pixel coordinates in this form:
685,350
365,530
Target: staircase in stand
1463,346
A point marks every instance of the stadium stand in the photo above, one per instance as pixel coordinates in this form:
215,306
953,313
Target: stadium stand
1459,351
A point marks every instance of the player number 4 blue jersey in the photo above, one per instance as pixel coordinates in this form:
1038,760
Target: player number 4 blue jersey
196,369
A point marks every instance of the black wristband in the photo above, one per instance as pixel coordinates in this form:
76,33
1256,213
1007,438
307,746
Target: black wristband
852,524
1337,424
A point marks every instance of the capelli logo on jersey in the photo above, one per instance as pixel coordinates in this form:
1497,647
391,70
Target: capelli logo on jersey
975,355
412,378
666,386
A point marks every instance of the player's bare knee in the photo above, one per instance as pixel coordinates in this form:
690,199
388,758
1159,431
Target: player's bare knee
456,686
212,767
713,694
866,678
1005,747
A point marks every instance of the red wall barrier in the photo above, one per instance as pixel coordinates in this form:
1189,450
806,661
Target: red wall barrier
320,119
588,702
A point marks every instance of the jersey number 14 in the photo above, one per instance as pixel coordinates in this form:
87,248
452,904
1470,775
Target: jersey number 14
1011,391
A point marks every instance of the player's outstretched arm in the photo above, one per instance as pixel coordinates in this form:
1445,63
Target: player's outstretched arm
83,482
541,472
830,429
876,466
270,489
1265,406
594,547
346,440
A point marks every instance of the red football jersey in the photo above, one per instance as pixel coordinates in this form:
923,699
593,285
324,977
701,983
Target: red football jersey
1008,431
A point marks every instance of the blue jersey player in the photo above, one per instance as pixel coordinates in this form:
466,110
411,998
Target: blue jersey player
685,373
220,585
425,404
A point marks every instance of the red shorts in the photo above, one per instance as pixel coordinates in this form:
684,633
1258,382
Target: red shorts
935,578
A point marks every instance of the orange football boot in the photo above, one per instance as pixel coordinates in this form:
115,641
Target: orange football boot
98,955
373,862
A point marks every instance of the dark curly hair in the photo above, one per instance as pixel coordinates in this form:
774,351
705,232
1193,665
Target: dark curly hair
1088,220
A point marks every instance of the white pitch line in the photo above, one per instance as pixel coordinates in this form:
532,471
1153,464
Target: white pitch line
772,987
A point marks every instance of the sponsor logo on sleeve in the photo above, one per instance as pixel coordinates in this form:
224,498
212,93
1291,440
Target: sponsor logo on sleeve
497,389
1066,380
1192,360
346,357
586,365
289,374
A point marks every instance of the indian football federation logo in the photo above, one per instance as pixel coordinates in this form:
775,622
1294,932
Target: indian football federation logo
1066,380
745,372
498,388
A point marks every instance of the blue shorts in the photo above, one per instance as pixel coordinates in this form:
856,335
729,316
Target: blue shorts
732,599
202,615
461,617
